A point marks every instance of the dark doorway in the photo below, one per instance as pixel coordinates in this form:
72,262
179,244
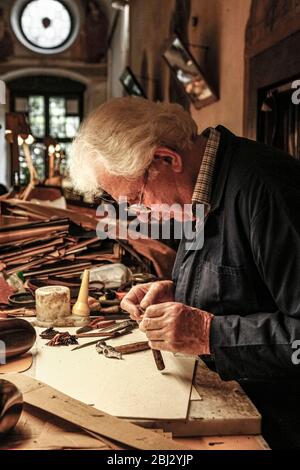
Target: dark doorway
278,119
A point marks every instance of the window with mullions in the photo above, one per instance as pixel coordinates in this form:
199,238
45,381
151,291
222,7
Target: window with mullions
54,107
62,124
55,116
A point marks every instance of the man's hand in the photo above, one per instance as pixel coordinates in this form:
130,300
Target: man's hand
147,294
172,326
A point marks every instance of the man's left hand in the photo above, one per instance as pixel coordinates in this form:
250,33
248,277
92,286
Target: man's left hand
175,327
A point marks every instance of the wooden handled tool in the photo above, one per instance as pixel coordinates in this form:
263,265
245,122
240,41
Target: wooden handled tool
159,361
117,351
96,324
112,334
133,347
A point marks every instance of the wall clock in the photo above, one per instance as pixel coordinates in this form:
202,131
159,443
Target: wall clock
45,26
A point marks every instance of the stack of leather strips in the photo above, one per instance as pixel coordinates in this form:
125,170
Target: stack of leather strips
48,246
48,233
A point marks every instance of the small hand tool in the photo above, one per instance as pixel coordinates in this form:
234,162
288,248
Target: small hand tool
96,324
117,351
119,326
90,343
114,334
107,351
159,361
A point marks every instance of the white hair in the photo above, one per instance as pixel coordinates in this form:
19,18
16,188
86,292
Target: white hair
122,135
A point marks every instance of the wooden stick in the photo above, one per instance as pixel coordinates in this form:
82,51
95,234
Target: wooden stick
159,361
132,347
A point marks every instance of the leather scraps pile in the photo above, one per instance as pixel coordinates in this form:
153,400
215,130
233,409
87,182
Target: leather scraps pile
42,246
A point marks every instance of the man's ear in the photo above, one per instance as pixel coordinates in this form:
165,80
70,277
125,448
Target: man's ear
169,157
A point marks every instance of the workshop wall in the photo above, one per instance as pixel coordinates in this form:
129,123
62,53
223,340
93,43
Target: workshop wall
218,24
149,29
223,26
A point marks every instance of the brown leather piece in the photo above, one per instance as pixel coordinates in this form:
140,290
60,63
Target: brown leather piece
53,221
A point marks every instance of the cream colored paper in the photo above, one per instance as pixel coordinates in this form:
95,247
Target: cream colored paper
128,388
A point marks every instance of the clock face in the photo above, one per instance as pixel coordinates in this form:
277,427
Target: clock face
45,26
46,23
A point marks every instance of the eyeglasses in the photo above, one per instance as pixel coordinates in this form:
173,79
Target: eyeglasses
140,207
105,197
132,209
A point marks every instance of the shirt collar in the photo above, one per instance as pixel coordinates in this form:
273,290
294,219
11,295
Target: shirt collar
203,187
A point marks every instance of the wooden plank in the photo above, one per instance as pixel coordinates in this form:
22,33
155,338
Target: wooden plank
45,398
224,404
225,443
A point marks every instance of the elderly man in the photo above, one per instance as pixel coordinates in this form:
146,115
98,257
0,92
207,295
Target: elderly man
236,301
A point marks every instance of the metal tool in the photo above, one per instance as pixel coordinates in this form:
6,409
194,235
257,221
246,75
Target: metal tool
90,343
159,361
107,350
120,326
96,324
118,351
116,334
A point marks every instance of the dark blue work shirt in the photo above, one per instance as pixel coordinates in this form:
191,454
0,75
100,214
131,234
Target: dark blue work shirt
248,273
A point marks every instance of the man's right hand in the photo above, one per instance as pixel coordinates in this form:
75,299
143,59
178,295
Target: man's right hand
144,295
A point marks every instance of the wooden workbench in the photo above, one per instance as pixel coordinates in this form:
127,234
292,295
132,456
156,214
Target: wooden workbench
221,417
39,431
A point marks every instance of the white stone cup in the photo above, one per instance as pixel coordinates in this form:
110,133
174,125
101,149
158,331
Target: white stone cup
52,306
